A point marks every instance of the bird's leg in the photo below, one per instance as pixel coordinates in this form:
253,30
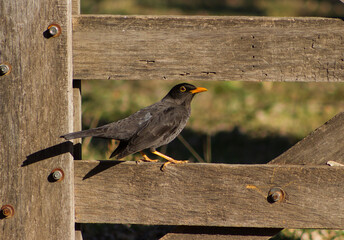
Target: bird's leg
169,159
146,158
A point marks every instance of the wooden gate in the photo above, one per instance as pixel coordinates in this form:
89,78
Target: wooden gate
46,44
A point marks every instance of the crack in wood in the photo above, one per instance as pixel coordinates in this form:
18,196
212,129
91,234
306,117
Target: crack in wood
147,61
255,188
208,73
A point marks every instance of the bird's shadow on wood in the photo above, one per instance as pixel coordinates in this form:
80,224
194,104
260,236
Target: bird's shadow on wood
102,166
49,152
66,147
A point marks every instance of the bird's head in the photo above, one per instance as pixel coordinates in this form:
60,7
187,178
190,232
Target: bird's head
183,93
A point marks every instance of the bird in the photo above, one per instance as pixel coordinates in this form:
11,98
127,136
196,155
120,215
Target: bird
149,128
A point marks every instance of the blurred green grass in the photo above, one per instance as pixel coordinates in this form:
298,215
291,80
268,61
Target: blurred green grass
234,122
325,8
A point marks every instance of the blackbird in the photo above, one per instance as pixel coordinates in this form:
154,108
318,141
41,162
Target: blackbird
150,127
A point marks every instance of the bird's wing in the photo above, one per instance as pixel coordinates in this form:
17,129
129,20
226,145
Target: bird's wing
125,128
161,129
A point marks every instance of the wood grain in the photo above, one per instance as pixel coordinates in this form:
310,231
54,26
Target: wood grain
208,48
75,7
35,109
322,145
208,195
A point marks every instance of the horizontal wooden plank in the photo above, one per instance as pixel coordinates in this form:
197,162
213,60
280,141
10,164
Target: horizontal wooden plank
208,194
208,48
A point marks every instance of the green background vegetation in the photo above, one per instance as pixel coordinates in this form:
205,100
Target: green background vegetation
234,122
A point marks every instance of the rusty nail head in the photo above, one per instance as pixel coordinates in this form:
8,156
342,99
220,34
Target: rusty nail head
57,174
276,194
5,69
7,211
54,30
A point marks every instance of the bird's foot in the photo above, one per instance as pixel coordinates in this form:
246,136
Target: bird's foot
169,159
146,159
162,168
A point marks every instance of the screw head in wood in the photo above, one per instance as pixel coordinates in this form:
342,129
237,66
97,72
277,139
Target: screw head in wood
276,194
5,68
54,30
7,211
57,175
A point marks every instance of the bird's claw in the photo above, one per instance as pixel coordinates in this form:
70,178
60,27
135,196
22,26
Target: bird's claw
145,158
162,168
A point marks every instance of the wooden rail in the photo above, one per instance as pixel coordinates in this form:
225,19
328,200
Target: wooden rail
208,48
208,194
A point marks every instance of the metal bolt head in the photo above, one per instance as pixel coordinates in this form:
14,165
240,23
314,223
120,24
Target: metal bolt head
54,30
7,211
276,194
57,174
5,68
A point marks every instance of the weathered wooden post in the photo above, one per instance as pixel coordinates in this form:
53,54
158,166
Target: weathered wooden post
35,108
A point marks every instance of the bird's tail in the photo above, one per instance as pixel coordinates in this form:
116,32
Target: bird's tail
85,133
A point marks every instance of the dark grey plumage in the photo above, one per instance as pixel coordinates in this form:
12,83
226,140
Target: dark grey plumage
150,127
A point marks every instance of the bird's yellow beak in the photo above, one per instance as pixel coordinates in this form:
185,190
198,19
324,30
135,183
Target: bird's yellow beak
198,90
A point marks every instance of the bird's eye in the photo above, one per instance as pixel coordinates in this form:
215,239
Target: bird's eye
182,89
